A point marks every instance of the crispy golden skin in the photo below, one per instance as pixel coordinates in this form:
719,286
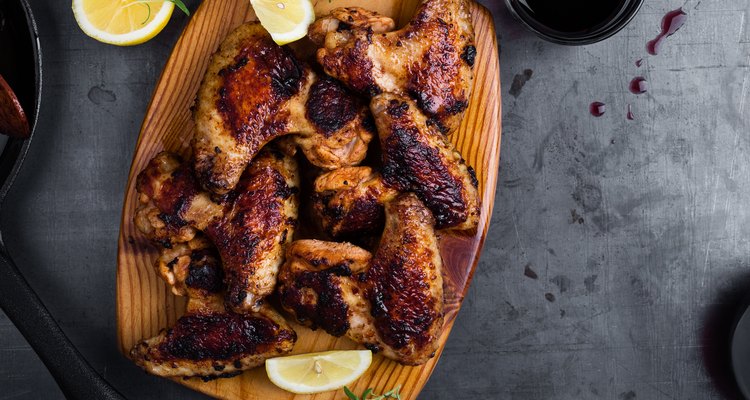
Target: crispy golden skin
346,18
250,226
430,59
317,284
255,91
390,302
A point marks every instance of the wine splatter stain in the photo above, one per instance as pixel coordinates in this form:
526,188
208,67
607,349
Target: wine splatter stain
638,85
597,108
672,22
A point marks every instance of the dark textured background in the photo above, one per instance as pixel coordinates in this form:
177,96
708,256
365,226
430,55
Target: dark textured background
637,232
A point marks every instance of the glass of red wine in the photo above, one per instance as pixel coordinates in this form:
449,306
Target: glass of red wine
574,22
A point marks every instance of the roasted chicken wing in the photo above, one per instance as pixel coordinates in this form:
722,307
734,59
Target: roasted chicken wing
318,284
430,59
249,226
416,158
391,302
172,208
192,268
255,91
349,201
208,341
346,18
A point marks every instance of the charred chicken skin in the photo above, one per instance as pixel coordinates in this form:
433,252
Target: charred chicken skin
250,226
225,226
255,91
430,59
192,268
258,223
350,201
390,302
209,341
416,158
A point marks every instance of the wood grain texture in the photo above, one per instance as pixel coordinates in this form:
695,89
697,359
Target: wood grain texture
145,305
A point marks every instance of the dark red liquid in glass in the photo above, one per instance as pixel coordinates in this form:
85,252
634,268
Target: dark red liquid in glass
638,85
630,114
597,109
669,25
572,15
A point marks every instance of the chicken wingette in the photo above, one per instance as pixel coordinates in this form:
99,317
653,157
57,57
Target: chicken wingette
416,158
209,341
349,202
255,91
430,59
391,301
249,226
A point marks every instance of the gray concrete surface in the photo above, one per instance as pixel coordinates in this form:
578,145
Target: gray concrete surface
637,232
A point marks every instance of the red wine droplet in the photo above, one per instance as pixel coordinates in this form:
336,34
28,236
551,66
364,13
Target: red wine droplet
669,25
597,109
639,62
638,85
630,115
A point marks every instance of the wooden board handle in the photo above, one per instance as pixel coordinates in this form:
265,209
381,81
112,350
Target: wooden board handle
76,378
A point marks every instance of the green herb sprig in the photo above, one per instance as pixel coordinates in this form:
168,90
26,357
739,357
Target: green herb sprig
368,395
177,3
181,6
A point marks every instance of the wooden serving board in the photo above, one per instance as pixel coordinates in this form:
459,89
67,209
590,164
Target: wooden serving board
144,303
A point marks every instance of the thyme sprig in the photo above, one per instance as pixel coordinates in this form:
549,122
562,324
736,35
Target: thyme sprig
368,395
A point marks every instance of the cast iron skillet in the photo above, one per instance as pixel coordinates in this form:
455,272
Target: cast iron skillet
740,348
20,65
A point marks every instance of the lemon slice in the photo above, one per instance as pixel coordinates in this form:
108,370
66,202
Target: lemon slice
318,372
122,22
285,20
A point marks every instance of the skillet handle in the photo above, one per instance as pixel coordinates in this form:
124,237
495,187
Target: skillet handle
76,378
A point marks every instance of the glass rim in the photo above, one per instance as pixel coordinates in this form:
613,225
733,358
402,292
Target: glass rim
616,24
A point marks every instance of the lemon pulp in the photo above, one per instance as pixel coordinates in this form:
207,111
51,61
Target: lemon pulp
122,22
285,20
318,372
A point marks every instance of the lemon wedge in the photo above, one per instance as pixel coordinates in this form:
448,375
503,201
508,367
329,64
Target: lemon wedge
285,20
122,22
318,372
